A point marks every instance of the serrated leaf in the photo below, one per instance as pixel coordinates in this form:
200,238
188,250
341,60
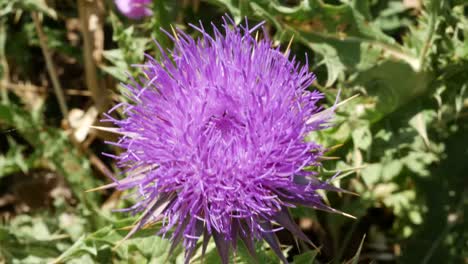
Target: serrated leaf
331,60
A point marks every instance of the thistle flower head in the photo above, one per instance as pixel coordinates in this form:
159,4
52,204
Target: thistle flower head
214,140
134,9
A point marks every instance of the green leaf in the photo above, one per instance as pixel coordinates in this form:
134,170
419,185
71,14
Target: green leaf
391,169
331,60
28,5
371,174
144,244
306,258
362,137
380,83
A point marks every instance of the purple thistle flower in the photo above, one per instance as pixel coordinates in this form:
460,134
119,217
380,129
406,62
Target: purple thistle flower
214,141
134,9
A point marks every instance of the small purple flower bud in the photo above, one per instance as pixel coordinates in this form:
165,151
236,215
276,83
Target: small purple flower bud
134,9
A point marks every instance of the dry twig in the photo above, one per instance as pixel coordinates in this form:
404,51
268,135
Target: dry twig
50,66
91,18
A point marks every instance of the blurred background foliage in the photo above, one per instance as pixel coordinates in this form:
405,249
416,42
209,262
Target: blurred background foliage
402,144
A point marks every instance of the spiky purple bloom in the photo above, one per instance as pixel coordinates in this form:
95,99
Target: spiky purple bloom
214,140
134,9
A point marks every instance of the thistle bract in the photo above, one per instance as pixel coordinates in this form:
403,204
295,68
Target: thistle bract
214,140
134,9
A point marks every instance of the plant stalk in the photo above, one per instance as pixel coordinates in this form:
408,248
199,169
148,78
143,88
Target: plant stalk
50,66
